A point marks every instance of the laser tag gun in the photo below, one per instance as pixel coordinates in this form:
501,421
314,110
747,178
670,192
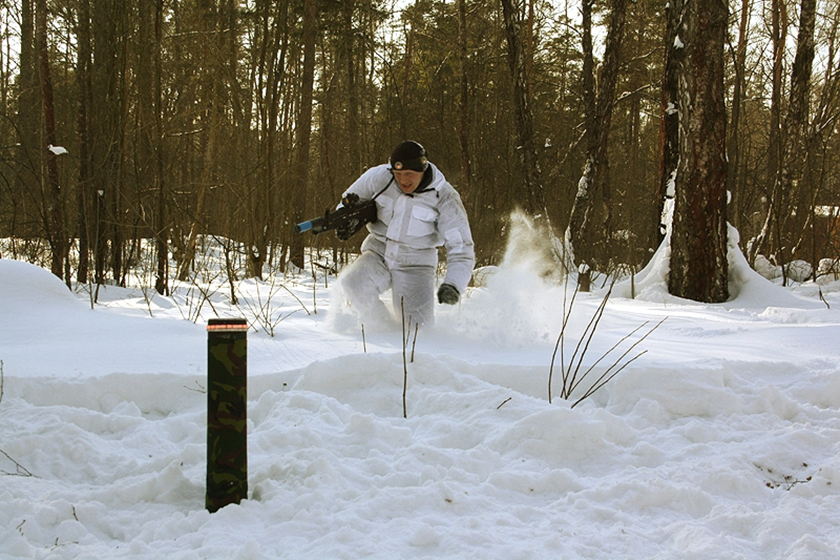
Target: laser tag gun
346,221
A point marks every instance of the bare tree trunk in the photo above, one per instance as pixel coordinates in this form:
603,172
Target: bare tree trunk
304,129
207,174
106,133
582,207
527,146
84,191
269,62
213,88
817,167
463,107
53,200
594,184
774,160
405,87
29,153
738,88
669,128
699,267
144,134
353,117
161,226
793,181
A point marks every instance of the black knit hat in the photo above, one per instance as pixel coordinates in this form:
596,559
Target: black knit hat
409,155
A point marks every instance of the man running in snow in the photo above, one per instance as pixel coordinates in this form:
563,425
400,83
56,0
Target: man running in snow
417,212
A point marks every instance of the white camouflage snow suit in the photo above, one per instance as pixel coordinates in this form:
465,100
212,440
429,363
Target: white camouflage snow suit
400,251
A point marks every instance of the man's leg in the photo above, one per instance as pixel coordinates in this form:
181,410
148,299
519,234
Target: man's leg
414,291
362,282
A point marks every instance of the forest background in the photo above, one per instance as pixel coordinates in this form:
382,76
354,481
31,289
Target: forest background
128,130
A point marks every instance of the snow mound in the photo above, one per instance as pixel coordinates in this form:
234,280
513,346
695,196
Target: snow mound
55,333
30,288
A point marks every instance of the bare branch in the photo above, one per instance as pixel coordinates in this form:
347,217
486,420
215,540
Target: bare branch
20,470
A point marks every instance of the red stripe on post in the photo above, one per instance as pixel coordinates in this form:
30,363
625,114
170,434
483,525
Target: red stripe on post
227,325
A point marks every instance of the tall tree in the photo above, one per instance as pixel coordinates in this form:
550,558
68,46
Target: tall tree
669,131
53,199
526,140
699,268
106,123
793,181
738,91
818,168
778,30
161,225
145,140
463,101
304,128
212,79
269,53
594,184
83,193
29,154
350,31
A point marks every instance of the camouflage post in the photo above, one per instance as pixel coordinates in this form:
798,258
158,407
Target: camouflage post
227,446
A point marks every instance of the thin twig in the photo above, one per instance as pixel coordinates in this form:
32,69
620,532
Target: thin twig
572,378
607,353
590,391
297,298
20,469
567,312
364,342
206,294
405,365
414,342
314,283
200,389
588,335
822,297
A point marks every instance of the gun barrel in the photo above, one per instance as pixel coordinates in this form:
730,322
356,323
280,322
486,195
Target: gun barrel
303,226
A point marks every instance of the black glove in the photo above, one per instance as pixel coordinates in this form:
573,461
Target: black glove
448,294
349,200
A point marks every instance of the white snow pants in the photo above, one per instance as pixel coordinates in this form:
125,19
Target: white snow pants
412,290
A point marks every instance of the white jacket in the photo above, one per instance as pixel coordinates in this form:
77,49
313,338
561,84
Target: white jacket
410,227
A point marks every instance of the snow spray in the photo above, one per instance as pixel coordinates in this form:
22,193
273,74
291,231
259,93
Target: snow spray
227,393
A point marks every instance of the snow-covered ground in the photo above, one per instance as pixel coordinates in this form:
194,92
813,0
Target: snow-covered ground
721,441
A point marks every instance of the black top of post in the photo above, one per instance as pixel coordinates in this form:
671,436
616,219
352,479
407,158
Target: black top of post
227,324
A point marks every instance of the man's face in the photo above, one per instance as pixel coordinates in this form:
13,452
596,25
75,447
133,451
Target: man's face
408,179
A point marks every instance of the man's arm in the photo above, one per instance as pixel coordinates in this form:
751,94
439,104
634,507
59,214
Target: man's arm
460,250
